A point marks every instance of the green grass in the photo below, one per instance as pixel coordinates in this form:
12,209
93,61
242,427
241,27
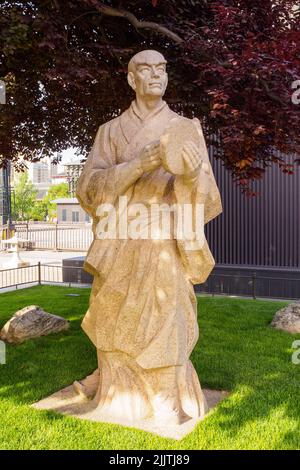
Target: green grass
237,351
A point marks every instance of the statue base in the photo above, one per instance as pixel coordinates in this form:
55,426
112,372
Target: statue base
68,402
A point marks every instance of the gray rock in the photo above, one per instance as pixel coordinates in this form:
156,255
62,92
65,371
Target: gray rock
288,318
31,322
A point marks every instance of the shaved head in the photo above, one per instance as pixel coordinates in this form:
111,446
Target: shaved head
147,75
145,57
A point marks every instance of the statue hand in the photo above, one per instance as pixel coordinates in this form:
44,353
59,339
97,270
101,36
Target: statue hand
149,158
192,162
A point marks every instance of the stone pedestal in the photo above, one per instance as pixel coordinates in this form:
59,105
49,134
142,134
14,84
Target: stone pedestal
68,402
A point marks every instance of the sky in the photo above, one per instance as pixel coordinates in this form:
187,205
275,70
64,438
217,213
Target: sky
68,156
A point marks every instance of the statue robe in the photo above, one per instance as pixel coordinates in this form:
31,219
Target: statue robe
142,301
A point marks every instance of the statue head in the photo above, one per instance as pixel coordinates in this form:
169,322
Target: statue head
147,74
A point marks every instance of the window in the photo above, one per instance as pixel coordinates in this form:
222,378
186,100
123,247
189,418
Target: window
75,216
39,175
64,215
87,218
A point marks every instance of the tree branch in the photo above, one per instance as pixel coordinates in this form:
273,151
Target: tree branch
270,94
109,11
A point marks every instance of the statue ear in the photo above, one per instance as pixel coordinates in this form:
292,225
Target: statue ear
131,80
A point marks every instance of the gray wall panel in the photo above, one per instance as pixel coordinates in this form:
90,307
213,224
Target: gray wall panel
257,231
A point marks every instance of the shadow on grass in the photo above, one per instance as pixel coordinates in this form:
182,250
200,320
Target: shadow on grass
244,355
41,366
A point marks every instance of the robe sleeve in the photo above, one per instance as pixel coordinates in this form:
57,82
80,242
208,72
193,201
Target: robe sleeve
102,179
196,255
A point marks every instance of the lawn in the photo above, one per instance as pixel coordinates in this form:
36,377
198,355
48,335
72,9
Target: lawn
237,351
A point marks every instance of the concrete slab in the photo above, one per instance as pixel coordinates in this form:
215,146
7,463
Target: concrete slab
68,402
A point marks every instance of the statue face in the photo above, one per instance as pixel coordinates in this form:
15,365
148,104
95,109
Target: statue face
149,78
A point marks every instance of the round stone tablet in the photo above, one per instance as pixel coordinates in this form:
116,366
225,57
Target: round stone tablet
176,134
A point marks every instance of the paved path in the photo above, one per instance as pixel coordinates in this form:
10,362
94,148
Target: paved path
45,257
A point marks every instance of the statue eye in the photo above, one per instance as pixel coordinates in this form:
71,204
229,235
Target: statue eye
143,69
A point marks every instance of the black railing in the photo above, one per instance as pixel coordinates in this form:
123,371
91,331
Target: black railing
217,284
20,276
251,285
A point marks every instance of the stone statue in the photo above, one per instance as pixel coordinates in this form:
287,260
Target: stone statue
142,316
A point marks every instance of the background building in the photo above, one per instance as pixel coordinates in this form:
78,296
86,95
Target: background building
69,211
72,171
39,175
257,237
44,174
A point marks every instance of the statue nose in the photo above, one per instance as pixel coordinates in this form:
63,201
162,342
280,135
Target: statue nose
154,73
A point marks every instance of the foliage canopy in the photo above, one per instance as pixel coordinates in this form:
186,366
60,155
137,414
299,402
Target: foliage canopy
231,63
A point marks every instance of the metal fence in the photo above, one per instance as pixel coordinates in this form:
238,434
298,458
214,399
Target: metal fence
251,286
40,274
76,237
217,284
20,276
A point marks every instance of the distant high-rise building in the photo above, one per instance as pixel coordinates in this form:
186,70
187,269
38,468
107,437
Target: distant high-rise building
44,174
73,171
39,175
